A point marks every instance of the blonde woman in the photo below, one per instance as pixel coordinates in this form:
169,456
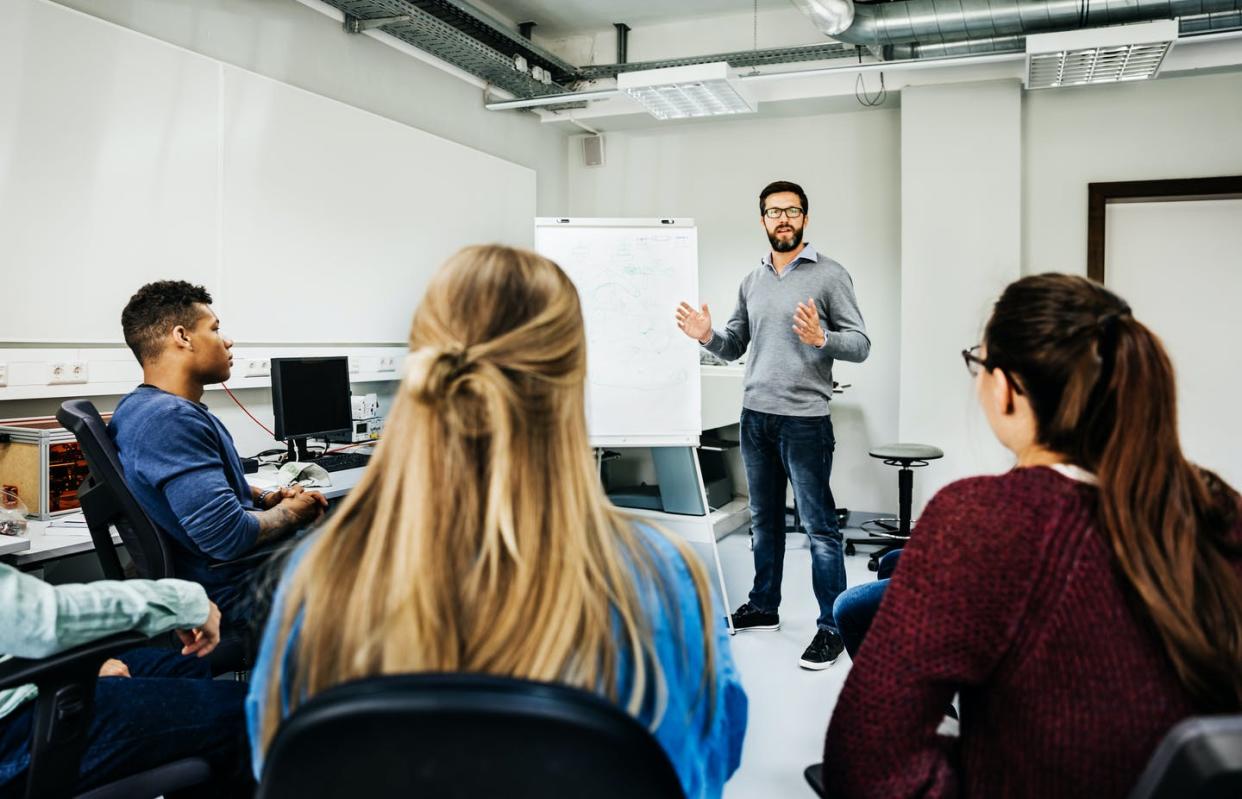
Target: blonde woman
486,544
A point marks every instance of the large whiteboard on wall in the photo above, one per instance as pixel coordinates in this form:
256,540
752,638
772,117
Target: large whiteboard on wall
124,159
346,214
643,373
109,143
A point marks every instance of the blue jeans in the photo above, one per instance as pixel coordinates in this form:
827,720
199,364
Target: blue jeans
856,607
169,708
795,449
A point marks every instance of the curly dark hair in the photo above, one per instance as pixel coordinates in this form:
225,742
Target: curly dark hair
784,185
154,310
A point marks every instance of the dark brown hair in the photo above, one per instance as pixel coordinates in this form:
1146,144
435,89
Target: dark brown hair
780,186
1101,387
155,309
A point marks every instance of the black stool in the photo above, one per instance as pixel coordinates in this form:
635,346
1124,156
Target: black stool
892,532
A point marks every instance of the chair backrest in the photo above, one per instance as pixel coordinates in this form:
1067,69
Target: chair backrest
1200,758
107,501
466,735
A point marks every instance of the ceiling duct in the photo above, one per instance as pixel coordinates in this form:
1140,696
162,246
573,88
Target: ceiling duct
932,21
456,32
831,16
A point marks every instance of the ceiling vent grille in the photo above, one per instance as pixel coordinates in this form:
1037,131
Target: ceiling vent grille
1098,55
700,90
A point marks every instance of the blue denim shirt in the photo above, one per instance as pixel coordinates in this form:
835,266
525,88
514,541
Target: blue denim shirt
704,752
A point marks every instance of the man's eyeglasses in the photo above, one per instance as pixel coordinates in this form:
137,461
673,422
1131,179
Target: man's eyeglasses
793,212
974,364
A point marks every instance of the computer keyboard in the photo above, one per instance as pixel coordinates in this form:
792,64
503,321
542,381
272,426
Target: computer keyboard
340,461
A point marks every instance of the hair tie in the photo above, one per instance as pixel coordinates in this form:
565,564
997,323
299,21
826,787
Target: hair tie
432,372
1106,325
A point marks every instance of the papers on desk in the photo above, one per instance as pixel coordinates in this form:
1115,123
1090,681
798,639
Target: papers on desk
74,521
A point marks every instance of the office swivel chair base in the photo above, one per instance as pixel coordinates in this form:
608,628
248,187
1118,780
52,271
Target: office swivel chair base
884,532
892,532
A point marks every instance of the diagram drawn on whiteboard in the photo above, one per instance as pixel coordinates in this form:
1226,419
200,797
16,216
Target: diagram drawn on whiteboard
642,373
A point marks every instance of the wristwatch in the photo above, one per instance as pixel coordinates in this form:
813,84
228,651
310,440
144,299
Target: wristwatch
264,494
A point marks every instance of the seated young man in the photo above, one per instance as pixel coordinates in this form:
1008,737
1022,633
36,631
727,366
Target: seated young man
179,459
158,706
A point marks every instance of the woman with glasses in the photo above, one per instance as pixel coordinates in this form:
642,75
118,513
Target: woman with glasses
480,539
1079,605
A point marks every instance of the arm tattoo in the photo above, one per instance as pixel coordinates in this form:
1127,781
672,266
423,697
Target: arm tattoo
274,523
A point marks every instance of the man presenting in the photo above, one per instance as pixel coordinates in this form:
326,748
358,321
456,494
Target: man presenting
179,459
798,312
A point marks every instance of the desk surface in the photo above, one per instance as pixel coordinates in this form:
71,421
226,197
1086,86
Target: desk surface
58,538
15,543
62,537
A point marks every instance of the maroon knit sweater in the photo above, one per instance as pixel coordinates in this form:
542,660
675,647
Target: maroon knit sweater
1006,594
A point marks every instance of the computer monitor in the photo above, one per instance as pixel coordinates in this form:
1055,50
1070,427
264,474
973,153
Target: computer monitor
310,397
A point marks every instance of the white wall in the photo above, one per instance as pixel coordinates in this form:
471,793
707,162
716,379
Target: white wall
960,245
287,41
1182,127
849,165
292,43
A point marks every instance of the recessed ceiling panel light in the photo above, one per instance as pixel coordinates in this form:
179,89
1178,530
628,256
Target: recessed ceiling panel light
699,90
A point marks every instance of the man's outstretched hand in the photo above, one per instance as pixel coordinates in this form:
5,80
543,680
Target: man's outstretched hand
695,324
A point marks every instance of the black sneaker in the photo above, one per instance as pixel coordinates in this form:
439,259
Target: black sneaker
824,650
749,617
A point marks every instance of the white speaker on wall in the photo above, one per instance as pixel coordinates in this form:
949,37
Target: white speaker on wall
593,150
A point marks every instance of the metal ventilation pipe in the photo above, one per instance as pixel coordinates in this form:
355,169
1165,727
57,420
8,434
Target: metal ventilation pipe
963,20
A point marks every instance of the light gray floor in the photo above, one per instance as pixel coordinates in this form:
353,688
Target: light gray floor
789,706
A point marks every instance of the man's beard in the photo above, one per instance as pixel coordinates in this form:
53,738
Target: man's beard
785,246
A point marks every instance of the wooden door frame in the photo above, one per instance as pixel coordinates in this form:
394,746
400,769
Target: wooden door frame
1146,191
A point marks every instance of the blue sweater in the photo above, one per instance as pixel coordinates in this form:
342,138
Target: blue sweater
703,756
182,466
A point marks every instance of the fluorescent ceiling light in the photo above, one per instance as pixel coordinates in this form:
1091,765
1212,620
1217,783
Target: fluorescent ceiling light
699,90
1098,55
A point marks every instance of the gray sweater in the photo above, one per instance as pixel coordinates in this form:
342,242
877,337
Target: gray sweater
783,375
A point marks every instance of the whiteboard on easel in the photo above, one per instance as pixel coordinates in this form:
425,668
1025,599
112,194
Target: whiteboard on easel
642,371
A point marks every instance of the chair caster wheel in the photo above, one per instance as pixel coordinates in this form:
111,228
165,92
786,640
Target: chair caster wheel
849,549
873,565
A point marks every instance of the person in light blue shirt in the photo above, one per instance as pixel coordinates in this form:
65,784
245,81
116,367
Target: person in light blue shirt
480,539
152,706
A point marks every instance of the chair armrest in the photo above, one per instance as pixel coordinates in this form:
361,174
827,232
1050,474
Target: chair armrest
85,658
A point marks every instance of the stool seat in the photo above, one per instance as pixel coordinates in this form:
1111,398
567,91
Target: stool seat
906,452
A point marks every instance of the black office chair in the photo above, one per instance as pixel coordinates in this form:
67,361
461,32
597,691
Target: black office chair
107,502
464,735
1200,758
63,711
892,532
814,775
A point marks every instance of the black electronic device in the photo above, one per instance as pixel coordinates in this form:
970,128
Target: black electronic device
340,461
310,398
